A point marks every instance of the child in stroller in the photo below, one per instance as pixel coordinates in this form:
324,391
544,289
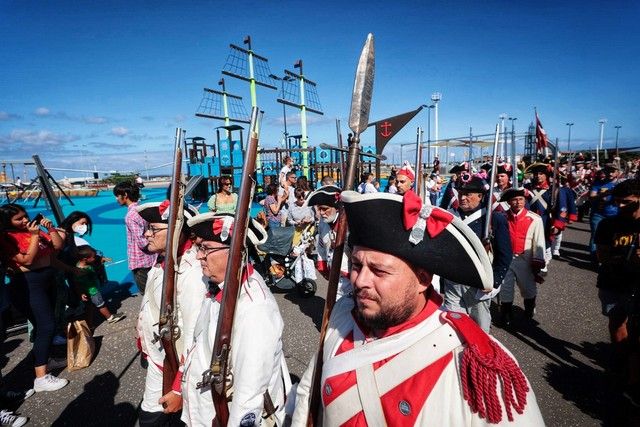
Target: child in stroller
286,263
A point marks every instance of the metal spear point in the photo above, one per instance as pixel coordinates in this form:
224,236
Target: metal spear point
363,89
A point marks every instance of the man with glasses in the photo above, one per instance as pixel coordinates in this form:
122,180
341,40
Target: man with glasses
190,288
259,372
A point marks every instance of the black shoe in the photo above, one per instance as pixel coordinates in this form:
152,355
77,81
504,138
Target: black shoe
529,307
506,315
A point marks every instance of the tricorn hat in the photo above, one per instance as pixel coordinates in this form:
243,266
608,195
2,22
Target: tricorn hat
422,235
545,168
473,184
219,228
511,193
462,167
159,212
506,168
327,195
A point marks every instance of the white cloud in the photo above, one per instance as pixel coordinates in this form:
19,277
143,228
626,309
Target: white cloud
119,131
95,120
42,111
4,116
34,141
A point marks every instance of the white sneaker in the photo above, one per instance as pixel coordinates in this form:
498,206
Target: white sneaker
7,418
49,383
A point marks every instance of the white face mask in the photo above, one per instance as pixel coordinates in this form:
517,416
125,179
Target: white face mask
81,230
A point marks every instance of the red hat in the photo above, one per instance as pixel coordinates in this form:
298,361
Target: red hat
422,235
407,171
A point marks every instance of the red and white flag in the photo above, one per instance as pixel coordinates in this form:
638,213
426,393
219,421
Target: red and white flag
541,136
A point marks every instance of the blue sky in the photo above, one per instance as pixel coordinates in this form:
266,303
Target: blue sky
106,83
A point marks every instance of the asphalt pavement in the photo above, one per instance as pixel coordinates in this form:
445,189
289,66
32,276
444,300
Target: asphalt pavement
564,353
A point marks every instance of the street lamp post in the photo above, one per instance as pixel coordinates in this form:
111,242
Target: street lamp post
617,132
569,141
513,139
601,122
429,108
435,98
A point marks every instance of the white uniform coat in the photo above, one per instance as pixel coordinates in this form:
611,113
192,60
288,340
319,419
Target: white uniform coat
257,360
414,349
190,289
326,237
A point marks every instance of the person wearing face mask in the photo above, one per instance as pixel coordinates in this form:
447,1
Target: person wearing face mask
325,199
617,246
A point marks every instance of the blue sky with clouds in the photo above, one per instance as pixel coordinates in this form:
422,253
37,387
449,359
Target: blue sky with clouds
106,83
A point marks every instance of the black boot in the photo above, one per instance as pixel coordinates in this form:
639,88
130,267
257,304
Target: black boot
506,317
529,307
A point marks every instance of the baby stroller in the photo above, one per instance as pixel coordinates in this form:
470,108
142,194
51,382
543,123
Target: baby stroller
286,265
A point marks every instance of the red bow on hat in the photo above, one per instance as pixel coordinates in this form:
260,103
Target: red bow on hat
218,226
164,207
436,222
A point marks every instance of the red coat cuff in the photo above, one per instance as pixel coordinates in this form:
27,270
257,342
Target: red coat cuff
573,217
177,382
559,224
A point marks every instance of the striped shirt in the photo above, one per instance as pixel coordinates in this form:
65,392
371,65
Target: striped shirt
136,243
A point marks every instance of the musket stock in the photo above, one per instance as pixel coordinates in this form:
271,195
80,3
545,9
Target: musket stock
219,369
167,329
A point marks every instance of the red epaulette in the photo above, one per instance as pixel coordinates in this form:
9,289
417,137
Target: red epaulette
484,362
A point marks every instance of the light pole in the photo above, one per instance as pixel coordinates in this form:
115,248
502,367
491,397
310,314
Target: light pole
284,107
502,117
617,132
601,122
429,108
513,139
569,141
435,98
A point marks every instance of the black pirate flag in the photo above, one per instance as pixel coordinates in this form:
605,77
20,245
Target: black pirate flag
388,128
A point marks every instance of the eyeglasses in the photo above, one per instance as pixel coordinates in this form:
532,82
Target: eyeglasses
208,251
155,230
224,184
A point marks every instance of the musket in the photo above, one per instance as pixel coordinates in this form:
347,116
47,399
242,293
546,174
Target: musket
168,331
217,375
358,120
486,233
556,177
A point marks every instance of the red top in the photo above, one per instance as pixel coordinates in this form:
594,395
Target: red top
17,242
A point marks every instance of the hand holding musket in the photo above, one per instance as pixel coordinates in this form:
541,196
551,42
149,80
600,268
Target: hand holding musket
358,121
219,370
167,328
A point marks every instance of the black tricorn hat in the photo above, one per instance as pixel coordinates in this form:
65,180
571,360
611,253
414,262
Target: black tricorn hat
474,184
462,167
159,212
422,235
327,195
506,168
545,168
219,228
511,193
